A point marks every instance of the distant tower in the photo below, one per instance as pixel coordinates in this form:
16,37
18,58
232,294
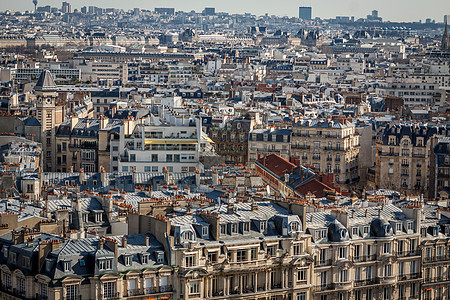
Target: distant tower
305,12
445,44
35,2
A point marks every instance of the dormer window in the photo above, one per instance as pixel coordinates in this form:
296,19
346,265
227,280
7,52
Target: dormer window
294,226
409,226
105,264
204,231
144,258
223,229
66,266
48,265
188,235
399,227
355,231
246,226
159,257
128,260
234,228
263,226
5,252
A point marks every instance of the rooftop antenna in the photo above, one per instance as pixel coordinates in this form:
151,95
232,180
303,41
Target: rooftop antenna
35,2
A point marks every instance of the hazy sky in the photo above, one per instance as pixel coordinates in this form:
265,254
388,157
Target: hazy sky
395,10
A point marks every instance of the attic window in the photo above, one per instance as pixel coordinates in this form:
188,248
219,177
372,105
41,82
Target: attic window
399,227
128,259
263,226
66,266
105,264
410,225
82,263
294,226
144,258
246,226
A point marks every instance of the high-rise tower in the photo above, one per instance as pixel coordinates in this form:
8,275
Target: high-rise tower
445,44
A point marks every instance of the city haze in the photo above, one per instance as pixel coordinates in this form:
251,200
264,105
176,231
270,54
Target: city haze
400,10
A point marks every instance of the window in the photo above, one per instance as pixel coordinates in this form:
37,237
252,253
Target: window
21,285
342,252
105,264
298,249
204,230
43,290
241,255
301,274
301,296
355,231
72,292
387,270
154,157
223,229
131,287
271,250
109,290
128,260
66,266
254,254
193,288
366,230
343,275
246,227
386,248
234,228
263,226
368,272
190,261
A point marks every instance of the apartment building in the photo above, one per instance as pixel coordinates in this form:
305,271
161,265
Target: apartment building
231,141
366,253
262,142
330,146
403,156
158,143
84,144
37,265
239,250
413,90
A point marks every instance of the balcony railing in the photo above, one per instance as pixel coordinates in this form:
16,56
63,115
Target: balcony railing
411,276
149,290
364,258
323,262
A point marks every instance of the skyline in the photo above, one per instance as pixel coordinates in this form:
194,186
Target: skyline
324,9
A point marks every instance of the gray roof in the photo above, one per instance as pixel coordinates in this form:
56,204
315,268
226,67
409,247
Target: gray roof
45,82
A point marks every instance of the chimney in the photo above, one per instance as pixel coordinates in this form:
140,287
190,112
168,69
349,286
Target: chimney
100,244
254,206
124,242
147,241
230,208
82,176
166,176
197,177
103,177
215,178
103,122
365,213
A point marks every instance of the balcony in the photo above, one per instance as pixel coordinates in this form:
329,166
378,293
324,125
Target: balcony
149,291
416,252
301,147
366,282
412,276
364,258
323,262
